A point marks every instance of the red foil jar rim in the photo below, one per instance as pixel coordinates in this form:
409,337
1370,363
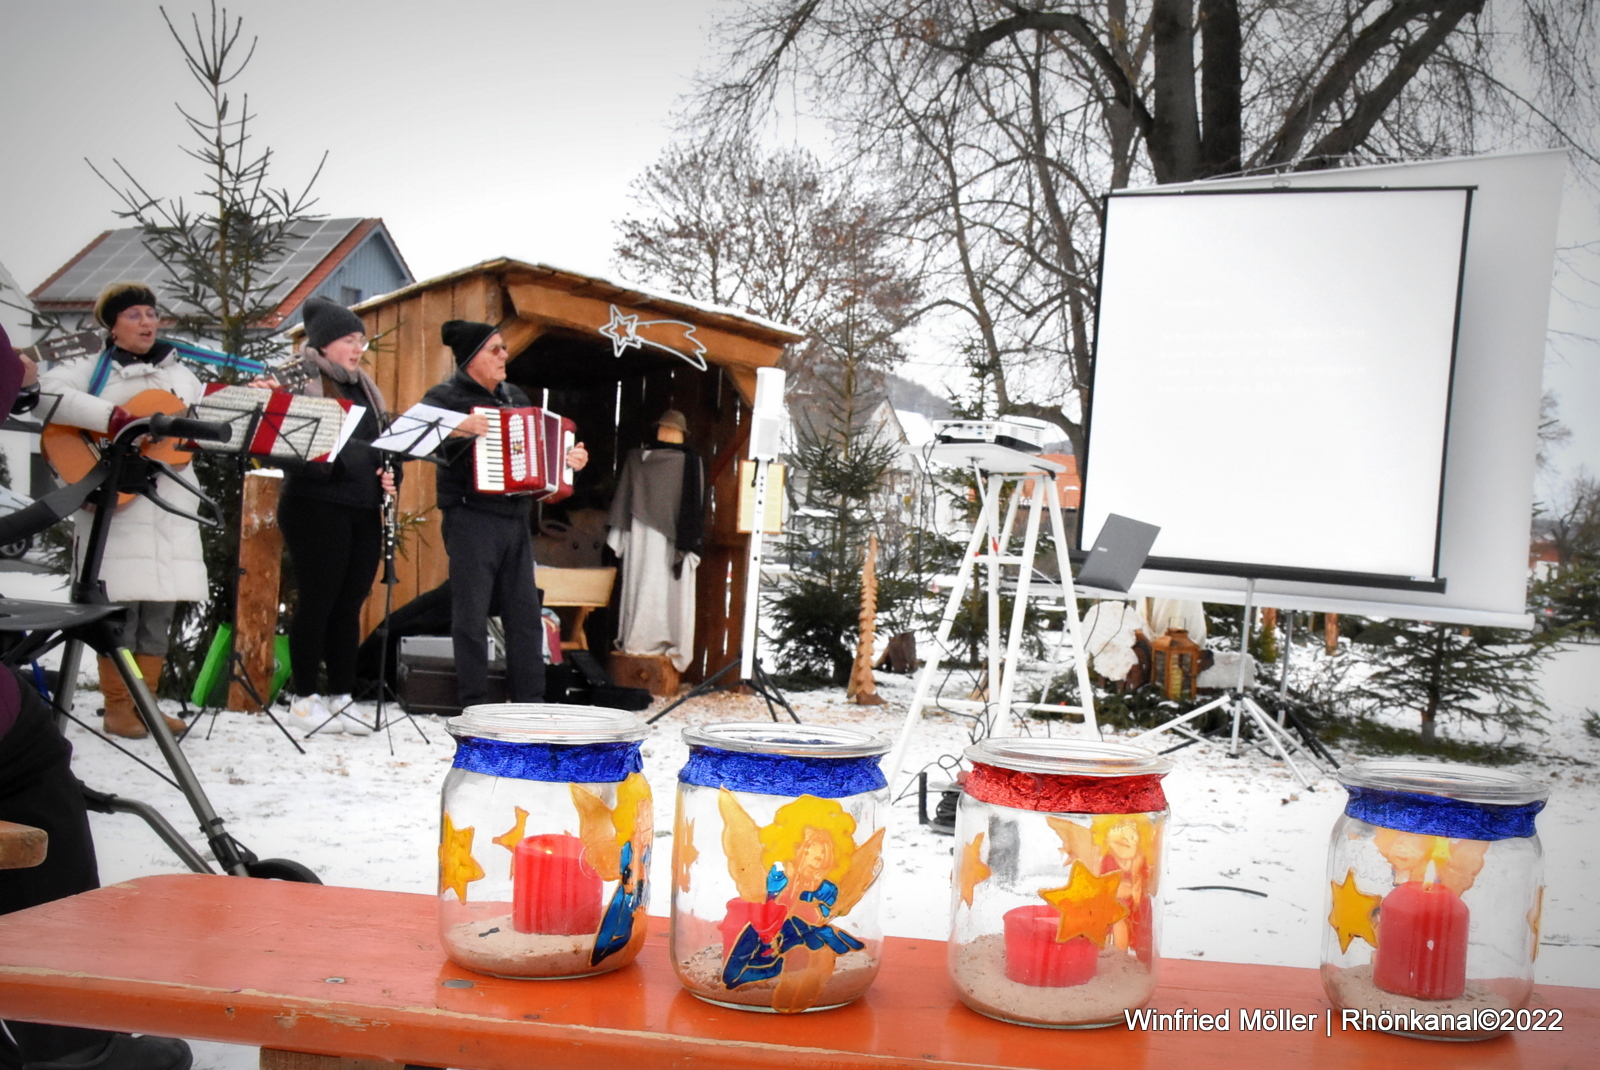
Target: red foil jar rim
1065,794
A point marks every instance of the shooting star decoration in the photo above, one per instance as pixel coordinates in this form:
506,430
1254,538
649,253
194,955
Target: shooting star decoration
669,336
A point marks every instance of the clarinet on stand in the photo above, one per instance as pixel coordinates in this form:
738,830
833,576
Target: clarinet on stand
391,535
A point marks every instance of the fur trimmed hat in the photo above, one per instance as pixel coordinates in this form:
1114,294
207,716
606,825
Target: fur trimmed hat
328,322
117,298
465,338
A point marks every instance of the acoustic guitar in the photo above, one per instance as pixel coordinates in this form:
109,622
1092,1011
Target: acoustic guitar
73,452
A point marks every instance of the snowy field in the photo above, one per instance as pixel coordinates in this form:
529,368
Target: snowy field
361,814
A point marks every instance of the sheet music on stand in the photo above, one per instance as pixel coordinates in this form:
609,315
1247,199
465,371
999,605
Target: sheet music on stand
276,423
419,430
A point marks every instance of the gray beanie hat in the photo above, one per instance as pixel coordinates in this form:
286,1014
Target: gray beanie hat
327,322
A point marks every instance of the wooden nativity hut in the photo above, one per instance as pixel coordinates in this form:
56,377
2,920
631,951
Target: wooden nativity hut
613,359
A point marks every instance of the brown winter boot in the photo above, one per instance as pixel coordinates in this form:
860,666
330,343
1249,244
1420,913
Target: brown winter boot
121,718
150,666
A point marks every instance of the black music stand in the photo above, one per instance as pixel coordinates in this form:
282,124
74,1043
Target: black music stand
415,438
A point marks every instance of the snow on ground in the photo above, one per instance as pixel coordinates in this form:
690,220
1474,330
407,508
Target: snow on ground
361,815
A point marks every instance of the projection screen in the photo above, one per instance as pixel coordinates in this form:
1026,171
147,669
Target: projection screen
1271,463
1224,316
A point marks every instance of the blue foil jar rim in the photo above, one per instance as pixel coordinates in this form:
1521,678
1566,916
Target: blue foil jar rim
1449,780
580,763
1438,815
782,774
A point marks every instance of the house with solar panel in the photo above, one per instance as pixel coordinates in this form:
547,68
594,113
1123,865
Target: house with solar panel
344,260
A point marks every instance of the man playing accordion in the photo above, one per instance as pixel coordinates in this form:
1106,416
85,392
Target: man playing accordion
488,537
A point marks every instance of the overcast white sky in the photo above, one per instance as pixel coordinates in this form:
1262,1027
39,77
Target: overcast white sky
476,128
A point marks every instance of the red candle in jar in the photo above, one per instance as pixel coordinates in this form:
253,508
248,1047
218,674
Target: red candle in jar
766,918
553,890
1422,942
1035,957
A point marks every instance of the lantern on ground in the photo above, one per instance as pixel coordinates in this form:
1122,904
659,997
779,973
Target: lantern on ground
1175,662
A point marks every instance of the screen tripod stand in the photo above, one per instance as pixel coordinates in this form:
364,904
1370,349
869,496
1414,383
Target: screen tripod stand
1242,707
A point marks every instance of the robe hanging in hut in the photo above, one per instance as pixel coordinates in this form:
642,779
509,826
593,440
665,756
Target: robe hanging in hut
657,527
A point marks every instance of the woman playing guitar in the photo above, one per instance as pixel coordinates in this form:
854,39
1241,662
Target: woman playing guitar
153,558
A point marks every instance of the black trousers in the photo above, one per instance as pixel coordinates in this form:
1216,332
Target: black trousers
334,550
37,788
491,572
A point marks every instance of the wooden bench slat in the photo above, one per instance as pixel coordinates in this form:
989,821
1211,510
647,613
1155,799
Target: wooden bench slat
358,974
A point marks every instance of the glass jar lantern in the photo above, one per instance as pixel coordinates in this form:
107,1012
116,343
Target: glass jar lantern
776,852
1056,909
544,847
1435,886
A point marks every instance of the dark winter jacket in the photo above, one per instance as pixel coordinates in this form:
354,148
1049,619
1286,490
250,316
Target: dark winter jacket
462,393
352,477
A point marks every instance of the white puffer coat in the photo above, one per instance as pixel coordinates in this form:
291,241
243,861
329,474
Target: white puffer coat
151,555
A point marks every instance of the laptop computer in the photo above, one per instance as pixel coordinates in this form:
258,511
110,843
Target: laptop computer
1118,553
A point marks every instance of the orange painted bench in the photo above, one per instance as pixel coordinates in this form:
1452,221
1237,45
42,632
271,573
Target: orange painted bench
305,971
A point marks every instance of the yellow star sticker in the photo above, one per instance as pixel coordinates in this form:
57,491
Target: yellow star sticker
1352,912
457,867
1088,905
684,852
513,836
971,871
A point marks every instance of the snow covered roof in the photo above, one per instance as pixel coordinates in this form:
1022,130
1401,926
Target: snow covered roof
917,427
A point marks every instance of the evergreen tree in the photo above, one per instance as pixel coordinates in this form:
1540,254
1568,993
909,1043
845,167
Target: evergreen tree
842,457
219,260
1569,600
1444,671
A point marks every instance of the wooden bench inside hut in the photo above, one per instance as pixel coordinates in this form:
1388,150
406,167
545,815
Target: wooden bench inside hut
612,359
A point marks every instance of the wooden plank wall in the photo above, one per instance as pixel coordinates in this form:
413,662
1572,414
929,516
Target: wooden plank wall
408,359
719,595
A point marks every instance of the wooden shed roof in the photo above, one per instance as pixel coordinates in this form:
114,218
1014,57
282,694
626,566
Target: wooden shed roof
512,272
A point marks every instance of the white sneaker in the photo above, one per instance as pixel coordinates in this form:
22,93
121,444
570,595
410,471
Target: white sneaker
308,711
349,719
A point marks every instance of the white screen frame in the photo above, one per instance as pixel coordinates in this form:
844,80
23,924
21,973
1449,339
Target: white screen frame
1494,405
1226,313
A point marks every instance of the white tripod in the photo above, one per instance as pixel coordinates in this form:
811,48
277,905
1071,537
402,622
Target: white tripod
990,544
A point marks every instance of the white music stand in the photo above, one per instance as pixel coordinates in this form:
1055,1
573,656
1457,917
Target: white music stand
995,467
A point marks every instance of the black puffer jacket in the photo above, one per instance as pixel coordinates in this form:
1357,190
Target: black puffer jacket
461,393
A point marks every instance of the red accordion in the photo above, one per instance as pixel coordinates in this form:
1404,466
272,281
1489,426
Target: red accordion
524,452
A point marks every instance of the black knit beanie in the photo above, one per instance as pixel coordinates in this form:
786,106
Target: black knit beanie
465,338
327,322
118,298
